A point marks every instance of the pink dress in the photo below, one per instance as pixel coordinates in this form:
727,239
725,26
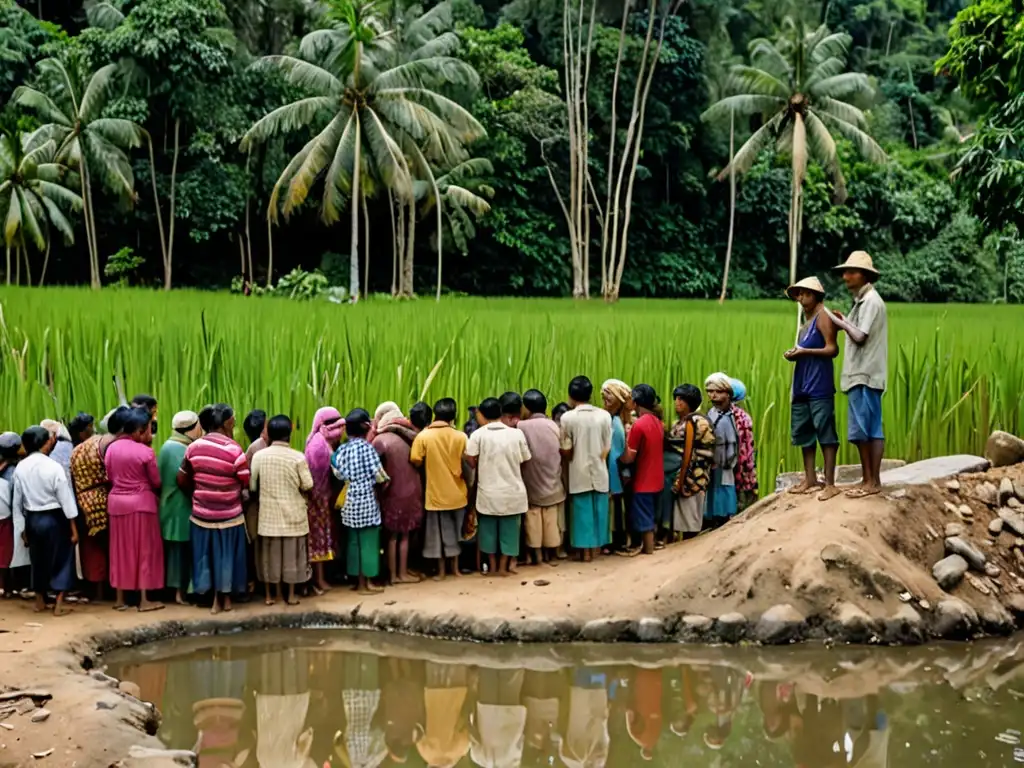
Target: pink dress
136,549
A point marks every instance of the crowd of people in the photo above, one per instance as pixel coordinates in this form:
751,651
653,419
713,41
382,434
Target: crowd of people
86,504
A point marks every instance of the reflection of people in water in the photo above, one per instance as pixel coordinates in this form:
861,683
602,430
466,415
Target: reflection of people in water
818,737
586,739
447,701
361,743
778,709
499,722
866,733
282,701
218,683
682,700
542,696
723,688
402,706
643,713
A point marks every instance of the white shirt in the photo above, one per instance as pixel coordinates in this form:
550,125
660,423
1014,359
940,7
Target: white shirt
40,484
587,430
500,450
20,556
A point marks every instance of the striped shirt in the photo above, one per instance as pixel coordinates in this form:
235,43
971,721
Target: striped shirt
219,471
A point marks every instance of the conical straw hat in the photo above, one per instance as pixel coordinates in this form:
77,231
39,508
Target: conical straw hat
808,283
859,260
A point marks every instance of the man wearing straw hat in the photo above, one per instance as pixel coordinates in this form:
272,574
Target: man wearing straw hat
864,367
813,410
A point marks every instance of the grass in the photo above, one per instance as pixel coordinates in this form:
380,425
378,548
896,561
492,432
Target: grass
955,372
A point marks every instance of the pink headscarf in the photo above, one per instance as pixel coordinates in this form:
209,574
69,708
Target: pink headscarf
318,449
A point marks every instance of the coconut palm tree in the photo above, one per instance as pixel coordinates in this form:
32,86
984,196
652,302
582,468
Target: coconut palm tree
462,192
800,88
392,121
34,198
70,103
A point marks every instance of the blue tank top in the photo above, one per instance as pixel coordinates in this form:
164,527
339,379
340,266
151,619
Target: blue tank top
813,378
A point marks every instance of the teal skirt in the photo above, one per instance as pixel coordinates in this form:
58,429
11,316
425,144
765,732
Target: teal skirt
721,499
589,520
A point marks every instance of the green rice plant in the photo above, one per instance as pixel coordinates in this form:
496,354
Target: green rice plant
955,372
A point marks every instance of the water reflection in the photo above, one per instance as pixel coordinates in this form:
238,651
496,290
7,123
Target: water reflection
308,700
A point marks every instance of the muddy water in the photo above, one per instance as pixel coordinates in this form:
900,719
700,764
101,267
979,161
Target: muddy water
306,699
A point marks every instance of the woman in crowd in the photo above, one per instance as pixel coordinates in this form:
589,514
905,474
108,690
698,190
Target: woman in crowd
10,447
136,549
694,440
746,469
62,448
721,493
324,438
615,394
402,500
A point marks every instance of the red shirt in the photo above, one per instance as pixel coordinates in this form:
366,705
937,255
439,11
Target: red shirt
647,439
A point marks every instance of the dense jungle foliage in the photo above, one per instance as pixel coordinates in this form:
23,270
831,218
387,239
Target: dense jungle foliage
201,142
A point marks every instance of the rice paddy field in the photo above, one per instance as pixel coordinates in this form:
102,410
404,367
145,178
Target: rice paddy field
955,372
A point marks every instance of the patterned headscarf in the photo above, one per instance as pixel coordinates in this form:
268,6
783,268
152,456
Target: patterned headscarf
617,389
389,418
719,381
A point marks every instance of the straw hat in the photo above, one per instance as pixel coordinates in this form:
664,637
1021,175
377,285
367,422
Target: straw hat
859,260
808,284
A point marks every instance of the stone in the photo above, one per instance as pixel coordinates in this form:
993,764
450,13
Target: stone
1014,503
1005,491
1015,604
951,508
130,688
899,493
955,529
925,605
541,582
956,545
489,629
845,474
953,486
995,619
856,625
779,624
932,534
651,630
731,627
949,571
696,624
992,570
40,716
840,556
929,470
1018,543
1012,520
25,706
965,512
978,584
1019,557
954,619
995,527
904,626
103,677
987,494
605,630
1004,449
1018,490
533,630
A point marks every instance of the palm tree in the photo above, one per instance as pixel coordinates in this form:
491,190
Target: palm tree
462,192
33,199
799,86
389,120
71,110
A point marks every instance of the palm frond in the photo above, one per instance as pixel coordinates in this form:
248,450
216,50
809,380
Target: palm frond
61,195
303,74
862,141
834,45
30,226
390,161
467,199
823,149
56,218
828,68
468,169
42,105
842,86
290,117
117,131
109,164
12,221
68,85
464,126
765,55
443,45
744,104
273,206
96,92
103,15
755,82
841,110
338,182
747,154
316,160
437,70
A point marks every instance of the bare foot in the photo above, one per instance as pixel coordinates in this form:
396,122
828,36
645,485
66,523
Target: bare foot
269,601
830,492
370,589
502,574
513,570
228,607
323,586
180,599
317,591
62,611
293,601
147,606
439,577
803,487
408,580
215,609
456,574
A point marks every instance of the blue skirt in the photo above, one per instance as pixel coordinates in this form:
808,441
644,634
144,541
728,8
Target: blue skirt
218,560
721,499
49,547
588,527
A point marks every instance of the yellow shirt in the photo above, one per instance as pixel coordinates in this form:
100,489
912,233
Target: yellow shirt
439,449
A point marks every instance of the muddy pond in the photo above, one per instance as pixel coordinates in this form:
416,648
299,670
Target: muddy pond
315,698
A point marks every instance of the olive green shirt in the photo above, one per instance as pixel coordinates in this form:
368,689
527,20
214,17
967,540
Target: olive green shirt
175,506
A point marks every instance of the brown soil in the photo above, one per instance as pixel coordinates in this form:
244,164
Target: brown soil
776,553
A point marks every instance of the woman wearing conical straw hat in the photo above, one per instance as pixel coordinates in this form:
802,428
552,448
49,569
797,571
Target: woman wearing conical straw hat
813,409
864,367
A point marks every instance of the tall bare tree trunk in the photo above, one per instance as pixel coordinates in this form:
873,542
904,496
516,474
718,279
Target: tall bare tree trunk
7,254
46,263
394,244
605,267
353,272
90,225
17,265
156,205
270,252
732,206
174,182
400,231
366,247
28,266
248,237
440,232
410,246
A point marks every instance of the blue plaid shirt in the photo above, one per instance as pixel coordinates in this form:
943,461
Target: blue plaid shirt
357,464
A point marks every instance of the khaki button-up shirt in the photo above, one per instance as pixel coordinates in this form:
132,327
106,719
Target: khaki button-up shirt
867,364
281,475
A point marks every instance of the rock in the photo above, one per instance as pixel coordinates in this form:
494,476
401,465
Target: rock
953,486
1018,490
954,619
845,474
966,512
105,705
978,584
1005,490
1012,520
1018,543
651,630
932,535
899,493
1019,557
533,630
904,626
1014,503
695,626
957,545
40,716
127,686
886,582
541,582
995,527
994,619
103,677
43,754
489,629
987,494
951,507
840,556
779,624
857,626
1015,603
605,630
1004,449
929,470
731,627
955,529
925,605
25,706
992,571
949,571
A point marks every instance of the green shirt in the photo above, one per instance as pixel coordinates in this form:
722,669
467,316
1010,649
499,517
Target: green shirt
175,506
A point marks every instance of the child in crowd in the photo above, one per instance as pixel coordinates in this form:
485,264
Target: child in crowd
357,464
